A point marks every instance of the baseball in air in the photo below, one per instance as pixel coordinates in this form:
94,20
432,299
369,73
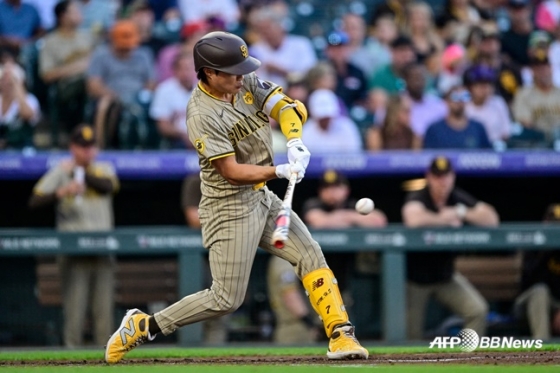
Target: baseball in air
364,206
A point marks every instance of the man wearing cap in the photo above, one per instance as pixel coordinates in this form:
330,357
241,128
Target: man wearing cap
432,274
485,107
456,130
390,77
328,131
539,302
228,123
351,82
82,190
119,74
538,107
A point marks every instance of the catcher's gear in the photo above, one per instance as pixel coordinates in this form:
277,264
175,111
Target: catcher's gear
322,289
297,152
225,52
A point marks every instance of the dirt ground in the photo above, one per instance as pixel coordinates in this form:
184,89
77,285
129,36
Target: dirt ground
473,358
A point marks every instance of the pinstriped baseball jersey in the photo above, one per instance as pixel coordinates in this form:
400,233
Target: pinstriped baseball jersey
219,129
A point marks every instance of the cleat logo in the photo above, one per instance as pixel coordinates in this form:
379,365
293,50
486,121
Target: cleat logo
130,331
317,284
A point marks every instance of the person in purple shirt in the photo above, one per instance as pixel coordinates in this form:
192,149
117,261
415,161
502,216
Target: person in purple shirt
456,130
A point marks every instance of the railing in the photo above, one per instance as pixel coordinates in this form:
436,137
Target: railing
392,242
176,164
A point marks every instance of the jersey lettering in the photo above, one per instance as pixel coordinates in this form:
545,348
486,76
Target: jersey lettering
246,127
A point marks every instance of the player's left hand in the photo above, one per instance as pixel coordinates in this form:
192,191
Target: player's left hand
285,171
297,152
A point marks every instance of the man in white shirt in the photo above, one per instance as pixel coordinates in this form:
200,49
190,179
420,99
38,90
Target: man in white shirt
280,53
168,107
327,130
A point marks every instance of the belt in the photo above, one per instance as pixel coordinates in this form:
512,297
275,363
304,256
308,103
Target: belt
259,185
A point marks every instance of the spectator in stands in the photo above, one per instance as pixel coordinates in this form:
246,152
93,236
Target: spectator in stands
485,107
390,77
165,10
99,16
383,32
538,107
118,77
189,34
323,76
19,24
554,57
426,107
395,132
63,61
539,302
456,130
421,30
547,15
431,274
456,20
327,130
280,53
215,330
392,8
295,323
351,82
143,16
82,190
454,61
45,8
168,105
19,110
368,54
508,79
226,10
515,41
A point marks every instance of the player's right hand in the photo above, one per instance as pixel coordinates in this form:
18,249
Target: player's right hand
284,171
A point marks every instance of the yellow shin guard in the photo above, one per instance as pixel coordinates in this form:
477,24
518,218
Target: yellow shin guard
322,288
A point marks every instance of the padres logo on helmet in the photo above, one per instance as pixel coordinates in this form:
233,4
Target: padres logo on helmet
220,51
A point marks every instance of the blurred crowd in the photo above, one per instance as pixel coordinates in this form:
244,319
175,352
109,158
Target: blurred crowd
374,75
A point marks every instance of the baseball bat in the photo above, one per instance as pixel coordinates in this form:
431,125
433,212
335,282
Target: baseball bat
282,222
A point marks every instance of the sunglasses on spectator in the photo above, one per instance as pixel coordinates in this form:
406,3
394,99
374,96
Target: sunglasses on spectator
460,96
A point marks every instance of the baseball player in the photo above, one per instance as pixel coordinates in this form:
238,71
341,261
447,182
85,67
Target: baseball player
227,120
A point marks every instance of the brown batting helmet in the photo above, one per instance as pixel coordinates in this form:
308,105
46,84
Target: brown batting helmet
225,52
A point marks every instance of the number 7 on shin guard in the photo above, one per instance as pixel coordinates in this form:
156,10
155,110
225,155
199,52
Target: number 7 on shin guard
322,288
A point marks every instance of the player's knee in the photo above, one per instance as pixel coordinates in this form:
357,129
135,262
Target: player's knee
229,304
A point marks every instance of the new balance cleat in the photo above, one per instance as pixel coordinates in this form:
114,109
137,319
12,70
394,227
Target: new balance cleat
344,345
132,332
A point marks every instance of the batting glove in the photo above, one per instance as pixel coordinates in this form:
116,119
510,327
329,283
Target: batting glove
284,171
297,152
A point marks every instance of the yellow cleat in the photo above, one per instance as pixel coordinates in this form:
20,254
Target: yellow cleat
344,345
132,332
